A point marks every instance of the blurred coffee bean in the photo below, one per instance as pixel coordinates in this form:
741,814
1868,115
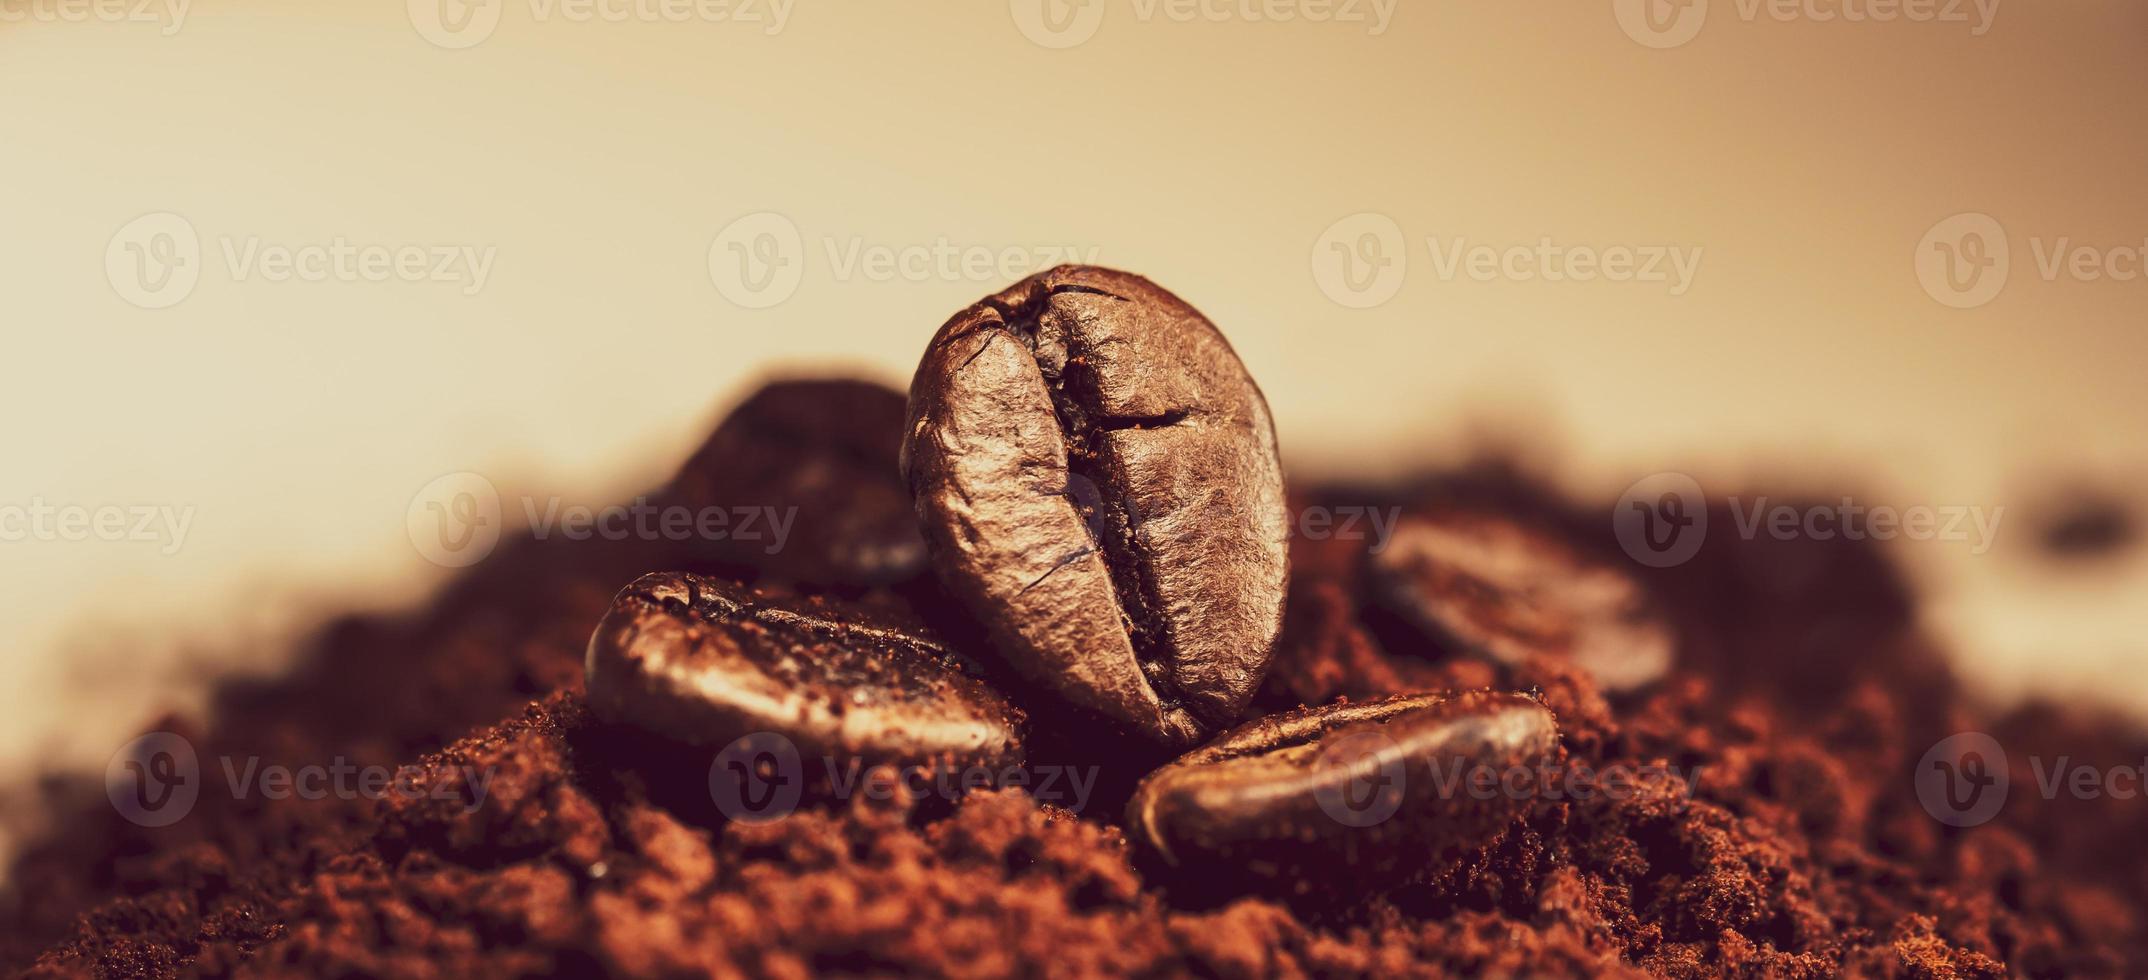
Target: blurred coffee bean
1478,582
1348,794
2086,524
805,476
706,662
1097,478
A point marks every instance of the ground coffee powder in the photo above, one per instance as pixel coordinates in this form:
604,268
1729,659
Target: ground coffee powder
1801,699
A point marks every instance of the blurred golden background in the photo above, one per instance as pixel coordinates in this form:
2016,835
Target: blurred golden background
274,269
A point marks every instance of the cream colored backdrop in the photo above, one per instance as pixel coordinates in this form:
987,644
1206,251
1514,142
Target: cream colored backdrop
894,160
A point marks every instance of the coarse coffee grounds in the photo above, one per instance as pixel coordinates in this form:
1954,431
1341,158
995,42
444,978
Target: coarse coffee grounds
1801,699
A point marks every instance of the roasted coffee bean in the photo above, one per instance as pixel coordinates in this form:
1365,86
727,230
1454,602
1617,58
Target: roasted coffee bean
802,485
1348,794
1480,583
706,662
1097,481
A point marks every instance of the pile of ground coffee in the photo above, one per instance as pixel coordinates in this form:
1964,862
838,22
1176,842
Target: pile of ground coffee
1800,700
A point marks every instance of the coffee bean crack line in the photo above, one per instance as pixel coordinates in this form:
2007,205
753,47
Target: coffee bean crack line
1133,579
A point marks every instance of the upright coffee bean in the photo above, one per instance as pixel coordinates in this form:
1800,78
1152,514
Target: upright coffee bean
706,662
1347,794
1097,481
1477,582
